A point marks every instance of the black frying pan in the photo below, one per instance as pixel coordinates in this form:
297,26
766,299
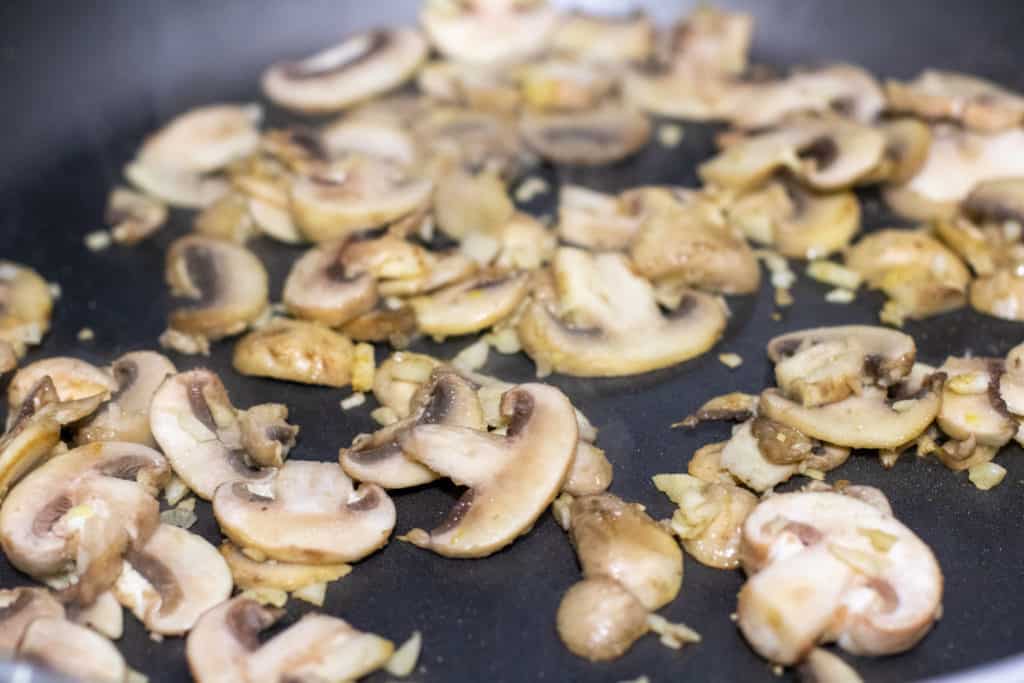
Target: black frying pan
84,81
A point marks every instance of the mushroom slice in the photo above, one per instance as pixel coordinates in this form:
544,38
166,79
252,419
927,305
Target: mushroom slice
81,511
203,140
492,32
996,201
712,40
470,85
126,416
287,576
562,85
396,326
73,379
866,420
296,516
363,135
353,194
822,373
594,220
197,428
229,218
907,142
889,354
972,405
620,541
73,650
472,305
105,616
590,474
361,67
398,379
599,619
25,306
445,398
602,304
222,640
320,286
296,351
823,567
19,607
734,407
227,282
976,103
471,202
511,479
178,188
1000,294
741,456
266,435
132,216
591,138
604,40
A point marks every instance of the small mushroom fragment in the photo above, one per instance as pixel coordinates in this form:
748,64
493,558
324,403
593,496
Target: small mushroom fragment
599,619
490,32
591,138
943,95
972,406
203,140
741,456
604,40
192,419
472,305
735,407
594,220
888,354
25,307
126,416
590,331
590,474
172,580
70,649
1011,385
323,288
19,607
296,351
227,283
821,666
132,216
824,566
266,435
73,379
247,573
296,516
511,478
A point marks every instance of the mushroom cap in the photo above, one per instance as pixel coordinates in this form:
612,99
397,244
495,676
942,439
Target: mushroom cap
196,426
824,566
602,39
72,378
172,580
511,479
295,516
287,576
978,104
977,411
472,305
73,650
598,619
619,540
361,67
25,306
227,282
19,607
589,138
611,304
320,287
489,33
204,139
889,354
297,351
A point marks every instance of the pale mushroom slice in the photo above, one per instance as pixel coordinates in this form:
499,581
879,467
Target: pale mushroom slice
307,512
599,619
511,478
249,573
595,220
604,39
77,514
229,218
172,580
827,567
589,138
445,398
467,202
19,607
196,426
126,416
297,351
470,85
822,373
72,378
226,282
556,84
1000,294
203,140
70,649
455,138
590,331
619,540
25,307
591,472
364,135
182,189
105,616
132,216
907,143
356,69
943,95
489,32
399,378
320,287
972,405
266,435
713,41
222,640
472,305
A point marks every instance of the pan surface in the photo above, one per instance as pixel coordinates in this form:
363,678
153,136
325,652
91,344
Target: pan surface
85,81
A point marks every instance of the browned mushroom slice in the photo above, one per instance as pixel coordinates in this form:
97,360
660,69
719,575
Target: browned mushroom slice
25,306
126,416
472,305
266,435
73,379
287,576
66,647
362,66
888,355
828,567
133,217
594,220
297,351
601,305
446,398
942,95
511,479
604,39
971,402
19,607
591,138
227,282
907,142
203,140
80,512
493,32
599,619
320,287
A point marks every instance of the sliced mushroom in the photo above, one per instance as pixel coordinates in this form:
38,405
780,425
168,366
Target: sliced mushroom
73,379
907,143
445,398
396,326
287,576
371,137
601,305
821,666
494,32
511,479
219,646
320,287
227,282
126,416
266,435
307,512
943,95
590,474
1011,386
132,216
563,85
469,202
1000,294
599,619
19,607
592,138
824,372
825,567
81,511
70,649
25,306
361,67
888,354
734,407
741,456
972,405
178,188
605,40
712,41
470,85
197,428
472,305
105,616
203,140
398,379
594,220
296,351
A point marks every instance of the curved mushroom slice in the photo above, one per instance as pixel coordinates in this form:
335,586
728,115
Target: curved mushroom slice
266,435
599,619
907,143
25,307
203,140
602,305
71,649
359,135
972,405
1000,294
713,40
126,416
594,220
398,379
227,282
825,566
197,428
445,398
590,138
361,67
19,607
220,644
287,576
396,326
133,217
308,512
73,379
491,32
619,540
590,474
81,511
511,479
320,287
472,305
943,95
604,39
297,351
172,580
353,194
563,85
